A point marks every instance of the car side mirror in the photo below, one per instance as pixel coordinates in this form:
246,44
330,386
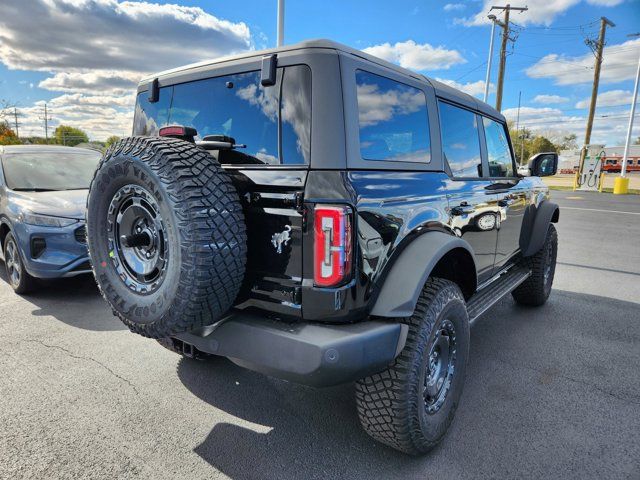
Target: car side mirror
543,164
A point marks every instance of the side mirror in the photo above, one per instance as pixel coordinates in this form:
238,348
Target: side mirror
543,164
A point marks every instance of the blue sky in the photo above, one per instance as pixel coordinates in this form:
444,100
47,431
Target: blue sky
84,56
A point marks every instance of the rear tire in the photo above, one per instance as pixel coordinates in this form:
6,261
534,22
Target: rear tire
407,406
17,274
166,234
535,290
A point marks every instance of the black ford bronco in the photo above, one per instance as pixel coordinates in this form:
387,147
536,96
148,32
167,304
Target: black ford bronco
322,216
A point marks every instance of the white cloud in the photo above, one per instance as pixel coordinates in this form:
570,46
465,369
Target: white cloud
549,99
97,50
107,81
619,64
472,88
612,98
605,3
417,56
541,12
449,7
375,105
108,34
609,127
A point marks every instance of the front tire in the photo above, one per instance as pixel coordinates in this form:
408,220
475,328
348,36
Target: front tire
411,405
535,290
17,274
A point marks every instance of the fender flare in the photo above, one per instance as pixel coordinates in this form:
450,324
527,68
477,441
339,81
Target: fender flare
535,226
408,274
4,222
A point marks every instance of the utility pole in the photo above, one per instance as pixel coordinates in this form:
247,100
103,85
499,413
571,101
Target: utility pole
599,46
488,77
15,118
621,184
518,119
46,119
503,48
280,23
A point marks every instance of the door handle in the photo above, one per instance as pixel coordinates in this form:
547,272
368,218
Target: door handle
463,210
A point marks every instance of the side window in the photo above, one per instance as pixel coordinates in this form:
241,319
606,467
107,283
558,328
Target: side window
393,120
498,151
460,141
295,114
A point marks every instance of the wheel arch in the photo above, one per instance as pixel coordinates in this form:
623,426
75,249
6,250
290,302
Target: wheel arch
5,228
535,225
441,255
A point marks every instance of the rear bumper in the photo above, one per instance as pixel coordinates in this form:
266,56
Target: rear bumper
309,353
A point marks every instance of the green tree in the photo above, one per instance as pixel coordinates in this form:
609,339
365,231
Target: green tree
112,139
8,136
637,142
542,144
70,136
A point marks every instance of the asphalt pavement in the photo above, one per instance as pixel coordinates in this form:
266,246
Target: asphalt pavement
552,392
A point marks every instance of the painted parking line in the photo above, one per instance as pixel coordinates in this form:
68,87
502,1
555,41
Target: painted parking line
599,210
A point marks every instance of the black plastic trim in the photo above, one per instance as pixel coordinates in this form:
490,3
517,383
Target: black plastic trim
308,353
535,225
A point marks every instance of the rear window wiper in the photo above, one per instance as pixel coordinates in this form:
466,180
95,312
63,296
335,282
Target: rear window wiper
219,142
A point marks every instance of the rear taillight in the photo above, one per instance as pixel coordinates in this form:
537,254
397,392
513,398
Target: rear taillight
332,245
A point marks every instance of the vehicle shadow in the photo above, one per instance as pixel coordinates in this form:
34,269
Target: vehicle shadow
529,382
74,301
286,430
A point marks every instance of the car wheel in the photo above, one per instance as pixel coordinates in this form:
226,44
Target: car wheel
535,290
17,275
166,235
410,405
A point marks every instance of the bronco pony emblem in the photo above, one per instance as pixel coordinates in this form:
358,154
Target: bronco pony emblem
282,238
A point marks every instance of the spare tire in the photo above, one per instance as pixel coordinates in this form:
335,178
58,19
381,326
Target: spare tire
166,235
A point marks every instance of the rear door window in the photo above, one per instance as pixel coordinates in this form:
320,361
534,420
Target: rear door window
460,141
393,120
273,122
498,151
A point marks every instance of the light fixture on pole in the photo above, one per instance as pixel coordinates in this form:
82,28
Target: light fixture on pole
621,184
486,82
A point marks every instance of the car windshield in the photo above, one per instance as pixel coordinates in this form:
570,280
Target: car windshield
49,170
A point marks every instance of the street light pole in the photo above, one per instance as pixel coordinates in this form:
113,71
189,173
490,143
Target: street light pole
488,77
621,184
280,23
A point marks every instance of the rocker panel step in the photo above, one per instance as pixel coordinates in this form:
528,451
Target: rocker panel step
495,291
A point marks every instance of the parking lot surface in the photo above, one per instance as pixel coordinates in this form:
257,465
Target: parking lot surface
551,392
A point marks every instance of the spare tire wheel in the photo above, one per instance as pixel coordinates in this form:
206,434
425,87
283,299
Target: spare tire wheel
166,235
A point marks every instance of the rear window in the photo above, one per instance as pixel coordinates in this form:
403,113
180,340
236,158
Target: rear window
273,122
393,120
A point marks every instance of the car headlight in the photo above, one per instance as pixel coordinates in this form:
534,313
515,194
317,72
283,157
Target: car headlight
46,220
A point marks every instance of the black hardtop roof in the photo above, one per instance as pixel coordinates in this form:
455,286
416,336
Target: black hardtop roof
442,89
